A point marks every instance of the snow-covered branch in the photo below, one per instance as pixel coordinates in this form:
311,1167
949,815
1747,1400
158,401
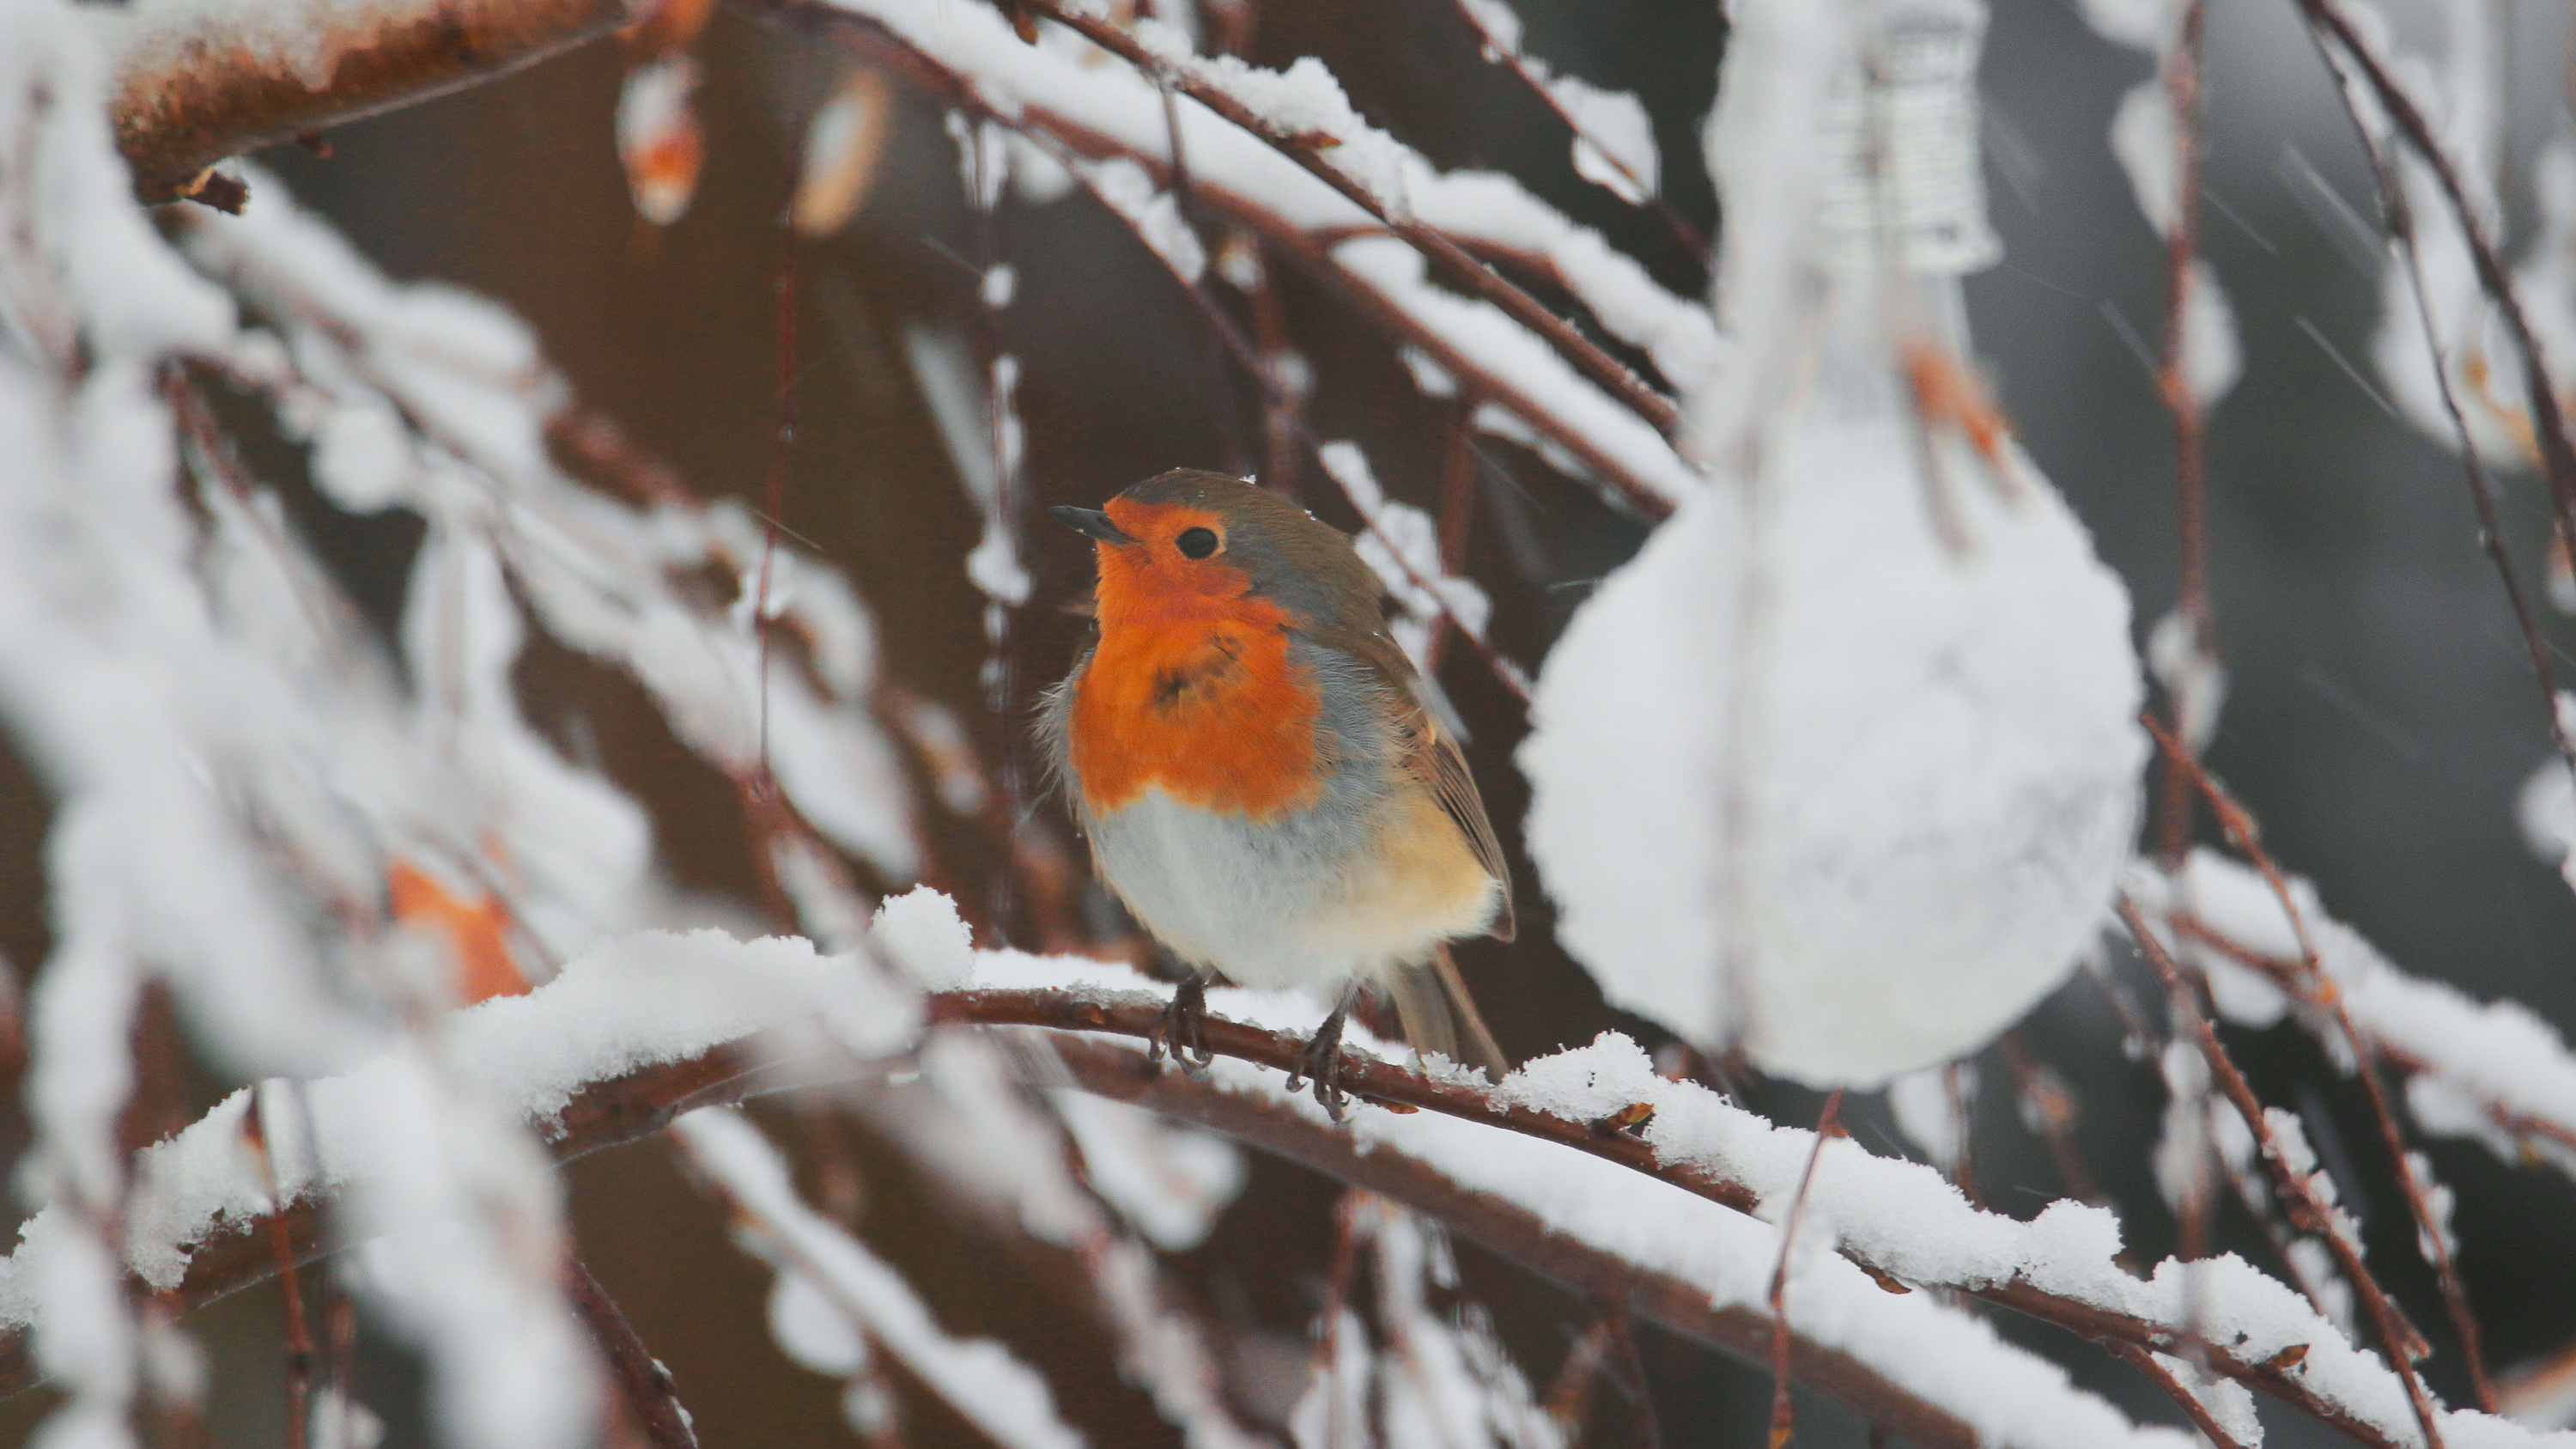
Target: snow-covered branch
197,83
965,55
1537,1168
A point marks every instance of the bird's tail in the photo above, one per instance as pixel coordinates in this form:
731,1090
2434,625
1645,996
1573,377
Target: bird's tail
1438,1015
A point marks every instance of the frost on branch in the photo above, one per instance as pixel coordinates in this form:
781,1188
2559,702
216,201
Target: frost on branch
1875,693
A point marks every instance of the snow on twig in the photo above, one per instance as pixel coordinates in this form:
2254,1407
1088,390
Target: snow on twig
1614,137
987,1384
2493,1073
2400,113
462,410
1106,112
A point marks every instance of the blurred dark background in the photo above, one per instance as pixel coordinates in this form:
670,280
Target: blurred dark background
2381,718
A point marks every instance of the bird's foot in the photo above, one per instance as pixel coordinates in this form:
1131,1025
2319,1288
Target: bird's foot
1324,1063
1182,1028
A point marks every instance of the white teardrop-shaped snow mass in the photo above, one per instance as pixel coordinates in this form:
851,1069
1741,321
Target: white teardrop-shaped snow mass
1810,781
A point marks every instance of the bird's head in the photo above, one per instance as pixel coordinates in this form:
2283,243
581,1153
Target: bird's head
1190,541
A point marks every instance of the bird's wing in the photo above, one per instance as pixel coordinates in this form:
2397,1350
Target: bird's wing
1435,759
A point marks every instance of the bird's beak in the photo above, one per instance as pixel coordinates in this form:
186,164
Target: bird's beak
1090,523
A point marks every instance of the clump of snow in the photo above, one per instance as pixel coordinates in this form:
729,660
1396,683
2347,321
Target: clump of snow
1154,214
921,932
1434,1377
628,1004
1891,789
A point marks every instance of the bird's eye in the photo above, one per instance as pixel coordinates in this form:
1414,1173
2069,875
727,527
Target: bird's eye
1196,542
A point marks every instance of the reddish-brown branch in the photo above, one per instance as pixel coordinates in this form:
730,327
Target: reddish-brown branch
2298,1195
641,1380
2401,227
299,1335
189,92
1783,1424
2050,1108
2322,991
1690,237
2292,977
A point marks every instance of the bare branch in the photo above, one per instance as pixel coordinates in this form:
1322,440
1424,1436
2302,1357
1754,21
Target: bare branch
640,1378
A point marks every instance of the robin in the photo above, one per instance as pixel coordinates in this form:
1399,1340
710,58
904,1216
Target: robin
1247,750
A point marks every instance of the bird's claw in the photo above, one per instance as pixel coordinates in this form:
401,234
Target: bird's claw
1324,1063
1182,1029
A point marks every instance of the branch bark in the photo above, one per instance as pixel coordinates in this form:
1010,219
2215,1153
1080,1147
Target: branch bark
209,84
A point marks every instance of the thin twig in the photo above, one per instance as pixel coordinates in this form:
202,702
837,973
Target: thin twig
2051,1110
2181,1393
1783,1422
2292,977
774,489
299,1336
1311,250
1632,1372
2239,825
2549,426
2297,1194
641,1380
1691,238
2401,226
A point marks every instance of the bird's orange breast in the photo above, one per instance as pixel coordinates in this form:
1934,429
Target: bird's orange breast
1198,695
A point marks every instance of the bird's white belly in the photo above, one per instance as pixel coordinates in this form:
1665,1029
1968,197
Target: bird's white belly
1311,897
